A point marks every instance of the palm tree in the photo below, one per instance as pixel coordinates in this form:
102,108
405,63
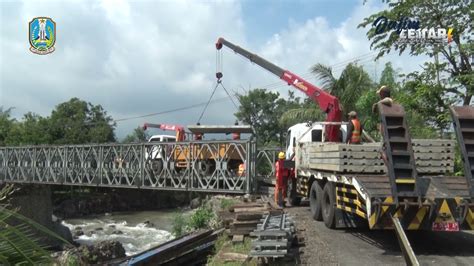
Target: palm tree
348,88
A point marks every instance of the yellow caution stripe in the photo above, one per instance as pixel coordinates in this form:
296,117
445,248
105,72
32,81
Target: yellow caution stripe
352,210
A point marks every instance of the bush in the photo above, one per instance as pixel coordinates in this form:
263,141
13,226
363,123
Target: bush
179,225
226,203
201,218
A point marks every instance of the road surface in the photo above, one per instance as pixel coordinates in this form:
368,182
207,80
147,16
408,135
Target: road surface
323,246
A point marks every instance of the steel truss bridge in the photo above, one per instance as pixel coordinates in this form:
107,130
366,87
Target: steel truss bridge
208,166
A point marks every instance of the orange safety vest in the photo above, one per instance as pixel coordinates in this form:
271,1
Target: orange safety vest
355,138
241,170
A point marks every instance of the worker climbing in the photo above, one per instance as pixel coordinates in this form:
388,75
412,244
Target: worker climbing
281,180
354,129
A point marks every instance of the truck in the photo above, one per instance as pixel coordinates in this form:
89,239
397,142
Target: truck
205,156
350,185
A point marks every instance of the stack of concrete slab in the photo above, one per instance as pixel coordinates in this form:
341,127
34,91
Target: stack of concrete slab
431,156
434,156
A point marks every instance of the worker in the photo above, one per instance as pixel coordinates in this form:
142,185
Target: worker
198,135
241,171
281,179
385,98
354,129
236,135
384,94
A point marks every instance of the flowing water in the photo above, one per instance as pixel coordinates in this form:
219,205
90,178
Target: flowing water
137,231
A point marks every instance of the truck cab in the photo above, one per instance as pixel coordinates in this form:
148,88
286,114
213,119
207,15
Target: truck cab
156,152
308,132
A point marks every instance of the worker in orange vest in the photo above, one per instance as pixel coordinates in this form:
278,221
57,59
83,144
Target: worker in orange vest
354,129
281,179
236,135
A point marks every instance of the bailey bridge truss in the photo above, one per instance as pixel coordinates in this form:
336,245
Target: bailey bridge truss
210,166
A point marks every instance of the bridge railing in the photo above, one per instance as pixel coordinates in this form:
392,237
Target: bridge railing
213,166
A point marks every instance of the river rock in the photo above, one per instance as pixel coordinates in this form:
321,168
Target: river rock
148,224
99,253
90,233
99,229
117,232
78,233
195,203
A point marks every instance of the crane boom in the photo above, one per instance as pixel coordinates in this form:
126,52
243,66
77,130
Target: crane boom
326,102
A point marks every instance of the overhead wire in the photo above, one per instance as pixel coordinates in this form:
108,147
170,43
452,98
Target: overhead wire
340,65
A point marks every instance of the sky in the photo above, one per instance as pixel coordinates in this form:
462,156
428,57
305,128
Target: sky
142,57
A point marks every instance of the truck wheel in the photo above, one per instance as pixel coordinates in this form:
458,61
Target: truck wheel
315,195
293,199
157,166
328,203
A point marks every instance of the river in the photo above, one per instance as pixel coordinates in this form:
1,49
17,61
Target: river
137,231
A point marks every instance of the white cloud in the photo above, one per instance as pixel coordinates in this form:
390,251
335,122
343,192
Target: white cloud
135,58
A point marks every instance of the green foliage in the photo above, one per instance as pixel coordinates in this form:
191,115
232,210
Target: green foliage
138,135
78,122
262,109
6,123
201,218
437,14
72,122
179,224
352,83
226,203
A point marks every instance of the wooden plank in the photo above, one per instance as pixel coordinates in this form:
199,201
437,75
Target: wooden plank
246,216
237,239
232,256
237,206
251,209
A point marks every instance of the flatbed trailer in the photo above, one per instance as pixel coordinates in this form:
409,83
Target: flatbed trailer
428,201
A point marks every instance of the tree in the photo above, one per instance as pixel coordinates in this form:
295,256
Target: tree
6,122
262,110
32,130
353,82
138,135
305,112
78,122
457,15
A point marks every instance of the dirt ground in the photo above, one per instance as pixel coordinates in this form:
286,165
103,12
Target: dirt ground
323,246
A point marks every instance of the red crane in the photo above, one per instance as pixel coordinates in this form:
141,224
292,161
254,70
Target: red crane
180,134
326,102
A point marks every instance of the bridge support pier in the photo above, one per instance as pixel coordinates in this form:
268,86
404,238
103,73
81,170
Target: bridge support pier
35,202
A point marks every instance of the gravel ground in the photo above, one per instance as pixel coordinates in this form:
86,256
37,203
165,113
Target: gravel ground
323,246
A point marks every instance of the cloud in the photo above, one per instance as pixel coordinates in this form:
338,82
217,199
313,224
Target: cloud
140,57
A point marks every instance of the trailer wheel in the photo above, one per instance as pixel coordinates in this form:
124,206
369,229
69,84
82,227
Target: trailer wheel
157,166
293,198
328,203
315,196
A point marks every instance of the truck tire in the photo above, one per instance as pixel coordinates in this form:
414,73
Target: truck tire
157,166
315,196
293,198
328,202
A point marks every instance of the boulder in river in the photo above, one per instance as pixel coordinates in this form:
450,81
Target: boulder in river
195,203
99,253
117,232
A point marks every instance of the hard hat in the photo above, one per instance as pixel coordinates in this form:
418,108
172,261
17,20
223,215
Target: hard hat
281,155
352,114
383,89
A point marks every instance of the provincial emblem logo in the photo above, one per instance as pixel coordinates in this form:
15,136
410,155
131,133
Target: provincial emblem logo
42,35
